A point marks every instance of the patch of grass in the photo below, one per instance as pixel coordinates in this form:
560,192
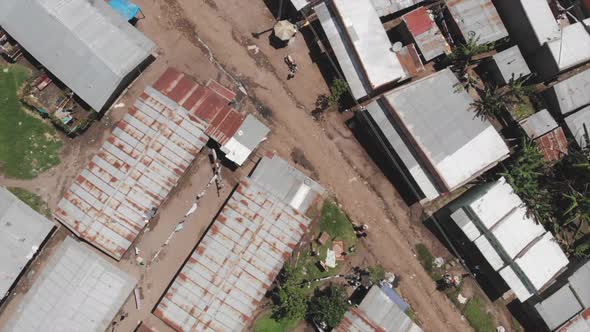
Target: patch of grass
33,200
267,324
410,312
28,146
476,314
334,222
425,257
377,273
523,110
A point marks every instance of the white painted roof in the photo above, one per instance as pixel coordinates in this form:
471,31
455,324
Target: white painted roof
574,46
541,19
516,231
462,220
542,261
496,203
489,252
515,283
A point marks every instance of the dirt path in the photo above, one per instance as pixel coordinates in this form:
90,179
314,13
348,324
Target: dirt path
336,158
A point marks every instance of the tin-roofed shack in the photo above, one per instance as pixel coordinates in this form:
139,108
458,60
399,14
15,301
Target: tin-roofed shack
426,33
496,221
378,312
360,45
431,128
77,290
547,135
227,275
476,19
85,44
578,124
23,233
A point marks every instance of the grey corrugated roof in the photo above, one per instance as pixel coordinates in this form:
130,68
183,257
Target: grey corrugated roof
78,290
84,43
377,313
559,307
477,19
580,283
246,139
570,94
511,62
22,231
440,119
576,122
388,7
286,182
538,124
377,110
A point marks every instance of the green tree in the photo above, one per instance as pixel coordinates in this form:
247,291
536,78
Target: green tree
338,89
290,302
491,102
517,90
525,172
328,306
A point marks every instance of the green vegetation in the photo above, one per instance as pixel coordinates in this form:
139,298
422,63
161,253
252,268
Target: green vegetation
377,273
33,200
328,306
338,89
334,222
478,317
268,324
290,301
28,146
412,315
425,257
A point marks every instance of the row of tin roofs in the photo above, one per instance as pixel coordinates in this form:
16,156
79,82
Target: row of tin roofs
227,275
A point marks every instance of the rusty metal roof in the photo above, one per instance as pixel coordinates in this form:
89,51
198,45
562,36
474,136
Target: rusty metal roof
579,323
222,283
410,60
477,19
133,172
426,33
553,145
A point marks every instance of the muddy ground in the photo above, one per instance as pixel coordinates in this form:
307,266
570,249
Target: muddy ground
209,39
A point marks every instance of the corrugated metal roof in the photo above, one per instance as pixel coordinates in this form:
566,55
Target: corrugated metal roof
133,172
580,323
541,19
86,44
426,33
559,307
410,60
388,7
511,241
368,62
23,231
511,64
222,283
576,122
538,124
377,313
553,145
76,291
439,123
300,4
579,282
571,93
573,48
477,19
245,140
378,113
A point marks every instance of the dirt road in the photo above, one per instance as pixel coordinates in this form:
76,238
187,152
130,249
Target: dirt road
186,31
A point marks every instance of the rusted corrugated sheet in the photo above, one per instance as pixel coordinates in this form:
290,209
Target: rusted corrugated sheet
426,33
553,145
210,104
138,165
225,278
410,60
579,323
477,19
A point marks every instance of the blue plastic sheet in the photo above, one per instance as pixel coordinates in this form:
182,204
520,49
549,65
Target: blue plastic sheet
126,8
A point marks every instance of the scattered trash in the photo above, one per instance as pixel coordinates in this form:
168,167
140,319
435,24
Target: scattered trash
439,261
139,260
461,299
119,105
138,292
137,251
330,258
5,70
179,227
389,277
323,238
254,48
500,329
191,210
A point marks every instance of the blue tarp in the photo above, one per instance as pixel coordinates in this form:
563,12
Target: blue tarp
126,8
394,296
